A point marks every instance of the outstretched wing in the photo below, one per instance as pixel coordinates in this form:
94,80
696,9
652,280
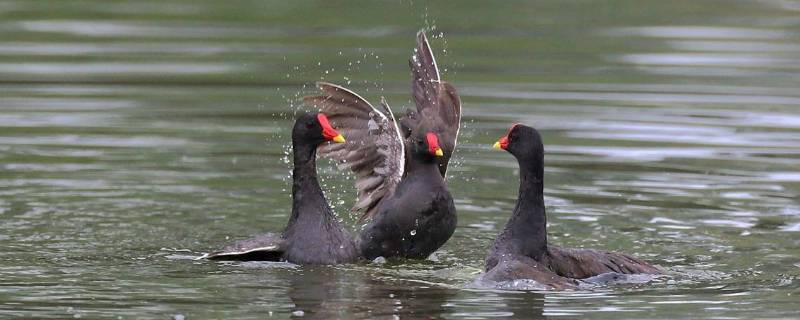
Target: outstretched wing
437,101
374,149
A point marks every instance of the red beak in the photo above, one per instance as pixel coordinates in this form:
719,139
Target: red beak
433,145
328,132
503,142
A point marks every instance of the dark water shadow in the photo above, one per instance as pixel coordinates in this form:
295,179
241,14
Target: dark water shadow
337,293
529,305
333,293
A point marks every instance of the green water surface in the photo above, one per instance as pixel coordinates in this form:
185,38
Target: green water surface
137,135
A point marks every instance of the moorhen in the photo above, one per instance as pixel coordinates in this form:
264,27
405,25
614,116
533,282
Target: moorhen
313,234
521,250
399,168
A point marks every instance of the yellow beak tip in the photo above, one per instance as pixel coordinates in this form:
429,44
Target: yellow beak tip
339,139
496,145
439,152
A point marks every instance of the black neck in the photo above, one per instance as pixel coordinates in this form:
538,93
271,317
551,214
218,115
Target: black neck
424,164
528,223
306,192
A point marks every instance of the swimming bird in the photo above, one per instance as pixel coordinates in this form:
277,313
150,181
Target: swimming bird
399,165
313,234
521,250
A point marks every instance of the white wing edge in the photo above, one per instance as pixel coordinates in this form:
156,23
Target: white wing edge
398,137
236,253
383,116
433,58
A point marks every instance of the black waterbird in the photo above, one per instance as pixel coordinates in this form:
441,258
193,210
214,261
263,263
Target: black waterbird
313,234
521,250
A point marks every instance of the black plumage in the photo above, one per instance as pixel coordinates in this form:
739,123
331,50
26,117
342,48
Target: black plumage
399,174
521,250
313,234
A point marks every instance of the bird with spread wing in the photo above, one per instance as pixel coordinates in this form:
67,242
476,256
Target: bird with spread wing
399,165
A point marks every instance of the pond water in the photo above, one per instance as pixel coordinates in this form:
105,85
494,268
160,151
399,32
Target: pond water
137,135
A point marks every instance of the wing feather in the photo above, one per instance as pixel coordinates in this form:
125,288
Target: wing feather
584,263
265,247
374,150
438,103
